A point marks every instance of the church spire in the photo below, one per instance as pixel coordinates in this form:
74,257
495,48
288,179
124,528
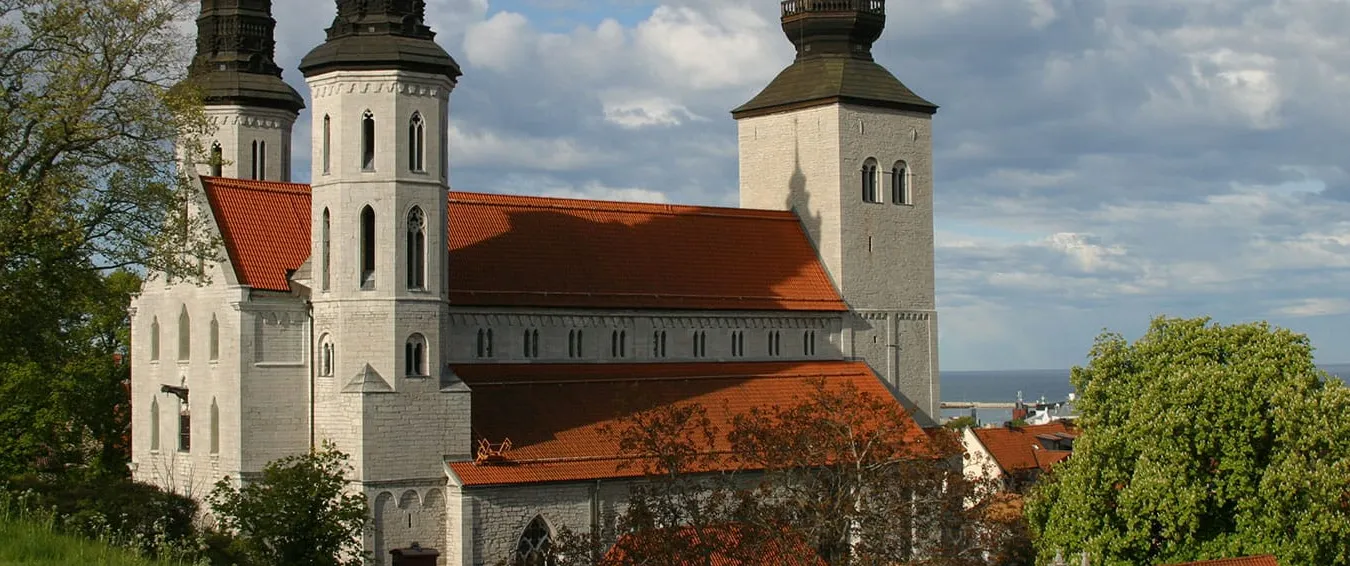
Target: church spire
380,35
834,61
234,61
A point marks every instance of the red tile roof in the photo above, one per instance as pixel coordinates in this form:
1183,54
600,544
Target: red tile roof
710,548
556,414
265,226
1019,449
585,253
552,252
1262,560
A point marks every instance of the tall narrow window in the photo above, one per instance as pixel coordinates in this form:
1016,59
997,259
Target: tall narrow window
809,343
215,427
444,151
368,141
253,161
367,248
325,261
326,356
154,339
327,144
738,343
415,356
618,347
154,424
575,344
417,136
485,342
217,159
900,193
261,174
700,343
869,181
531,349
659,344
215,339
417,249
775,340
184,428
184,335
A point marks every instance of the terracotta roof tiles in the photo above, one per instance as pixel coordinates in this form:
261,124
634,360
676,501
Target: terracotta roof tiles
551,252
265,226
1018,449
570,407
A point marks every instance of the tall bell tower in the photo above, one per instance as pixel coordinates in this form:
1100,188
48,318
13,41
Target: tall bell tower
250,108
838,139
380,88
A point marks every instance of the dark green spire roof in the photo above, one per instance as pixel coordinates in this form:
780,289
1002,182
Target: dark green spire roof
379,35
234,61
834,61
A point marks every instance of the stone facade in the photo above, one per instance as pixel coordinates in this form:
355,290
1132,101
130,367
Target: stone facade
252,143
880,253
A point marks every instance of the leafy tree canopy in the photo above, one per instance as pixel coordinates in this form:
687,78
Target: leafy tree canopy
298,512
1202,441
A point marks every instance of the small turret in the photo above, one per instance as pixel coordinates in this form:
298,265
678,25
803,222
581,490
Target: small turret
834,27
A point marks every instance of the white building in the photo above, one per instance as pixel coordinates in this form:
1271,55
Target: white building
338,314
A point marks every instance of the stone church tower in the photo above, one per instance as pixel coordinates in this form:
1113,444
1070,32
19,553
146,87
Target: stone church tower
838,139
251,108
378,268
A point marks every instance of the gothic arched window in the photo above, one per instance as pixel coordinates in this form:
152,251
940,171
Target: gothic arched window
154,339
326,355
533,547
900,193
869,181
415,356
215,427
327,144
367,141
184,335
184,427
325,264
217,159
215,339
417,136
367,248
417,249
154,424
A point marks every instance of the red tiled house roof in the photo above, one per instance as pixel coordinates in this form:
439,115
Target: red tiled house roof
552,252
1019,449
711,547
1262,560
569,406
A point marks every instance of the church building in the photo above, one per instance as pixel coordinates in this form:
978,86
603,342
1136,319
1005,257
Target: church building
467,349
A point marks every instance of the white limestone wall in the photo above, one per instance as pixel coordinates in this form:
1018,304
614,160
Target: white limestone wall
485,524
978,464
791,161
236,128
274,379
403,514
208,379
638,329
879,254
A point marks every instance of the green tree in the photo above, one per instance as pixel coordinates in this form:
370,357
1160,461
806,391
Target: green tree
1202,441
298,512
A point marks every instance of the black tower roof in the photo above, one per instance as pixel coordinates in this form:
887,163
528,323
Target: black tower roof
380,34
834,61
234,61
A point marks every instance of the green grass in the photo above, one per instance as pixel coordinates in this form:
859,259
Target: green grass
30,543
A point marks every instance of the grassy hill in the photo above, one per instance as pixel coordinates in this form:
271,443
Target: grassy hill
29,543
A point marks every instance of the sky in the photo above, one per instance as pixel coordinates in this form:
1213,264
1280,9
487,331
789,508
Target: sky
1097,162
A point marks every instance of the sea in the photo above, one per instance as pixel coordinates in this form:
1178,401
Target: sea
1033,385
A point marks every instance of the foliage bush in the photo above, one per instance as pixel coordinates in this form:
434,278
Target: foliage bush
132,513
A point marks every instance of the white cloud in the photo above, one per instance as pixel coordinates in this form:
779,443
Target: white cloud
637,111
1314,307
500,43
486,148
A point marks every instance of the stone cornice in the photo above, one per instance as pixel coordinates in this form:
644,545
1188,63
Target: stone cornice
371,86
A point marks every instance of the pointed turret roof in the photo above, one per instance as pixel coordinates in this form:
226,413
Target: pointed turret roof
235,63
380,34
834,61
